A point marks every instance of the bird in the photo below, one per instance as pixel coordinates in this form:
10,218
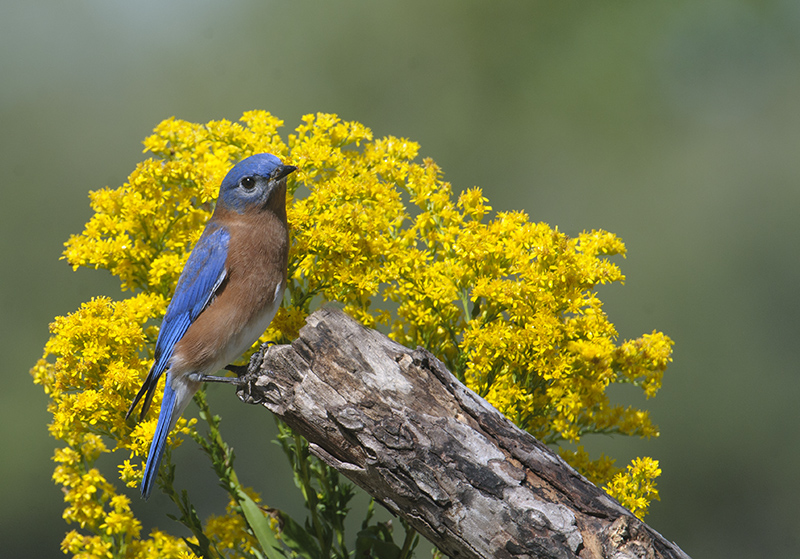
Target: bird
227,294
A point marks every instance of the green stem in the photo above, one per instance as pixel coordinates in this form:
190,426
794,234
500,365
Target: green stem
222,462
408,542
310,494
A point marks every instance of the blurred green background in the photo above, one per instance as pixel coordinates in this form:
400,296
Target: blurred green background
675,125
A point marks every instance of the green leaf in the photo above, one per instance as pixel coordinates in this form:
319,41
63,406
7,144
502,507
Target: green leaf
299,539
259,523
376,541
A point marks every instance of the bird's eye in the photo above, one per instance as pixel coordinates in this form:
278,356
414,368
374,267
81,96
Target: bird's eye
248,183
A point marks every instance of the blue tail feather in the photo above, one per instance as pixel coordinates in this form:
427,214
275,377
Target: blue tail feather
159,440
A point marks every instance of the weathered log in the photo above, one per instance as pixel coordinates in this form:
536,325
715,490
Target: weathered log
397,423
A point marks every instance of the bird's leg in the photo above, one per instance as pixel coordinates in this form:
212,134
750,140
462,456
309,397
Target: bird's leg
240,370
237,381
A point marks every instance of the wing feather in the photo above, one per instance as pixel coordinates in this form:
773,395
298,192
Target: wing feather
198,283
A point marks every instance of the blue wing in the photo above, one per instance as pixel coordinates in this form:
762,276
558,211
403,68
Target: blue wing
159,440
202,276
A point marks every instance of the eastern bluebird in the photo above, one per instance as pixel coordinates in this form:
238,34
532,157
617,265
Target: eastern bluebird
226,296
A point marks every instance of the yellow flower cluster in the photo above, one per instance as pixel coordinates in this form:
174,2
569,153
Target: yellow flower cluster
98,368
229,532
636,488
509,305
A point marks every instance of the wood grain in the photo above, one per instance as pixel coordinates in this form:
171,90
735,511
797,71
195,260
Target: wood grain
397,423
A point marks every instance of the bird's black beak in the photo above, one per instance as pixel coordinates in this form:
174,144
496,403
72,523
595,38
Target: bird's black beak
282,171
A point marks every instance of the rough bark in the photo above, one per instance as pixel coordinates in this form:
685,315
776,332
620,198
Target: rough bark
397,423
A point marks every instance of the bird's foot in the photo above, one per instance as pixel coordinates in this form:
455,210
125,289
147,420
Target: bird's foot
255,359
245,385
247,391
246,375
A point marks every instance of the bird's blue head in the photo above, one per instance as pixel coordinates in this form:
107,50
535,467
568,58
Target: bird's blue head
251,182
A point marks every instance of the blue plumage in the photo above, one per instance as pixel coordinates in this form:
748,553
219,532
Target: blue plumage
202,274
163,428
226,295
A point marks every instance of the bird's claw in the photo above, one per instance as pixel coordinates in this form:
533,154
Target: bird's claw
247,392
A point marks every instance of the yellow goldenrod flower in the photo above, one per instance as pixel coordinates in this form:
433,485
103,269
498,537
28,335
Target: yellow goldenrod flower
508,304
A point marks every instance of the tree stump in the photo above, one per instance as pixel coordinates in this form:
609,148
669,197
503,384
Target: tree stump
397,423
